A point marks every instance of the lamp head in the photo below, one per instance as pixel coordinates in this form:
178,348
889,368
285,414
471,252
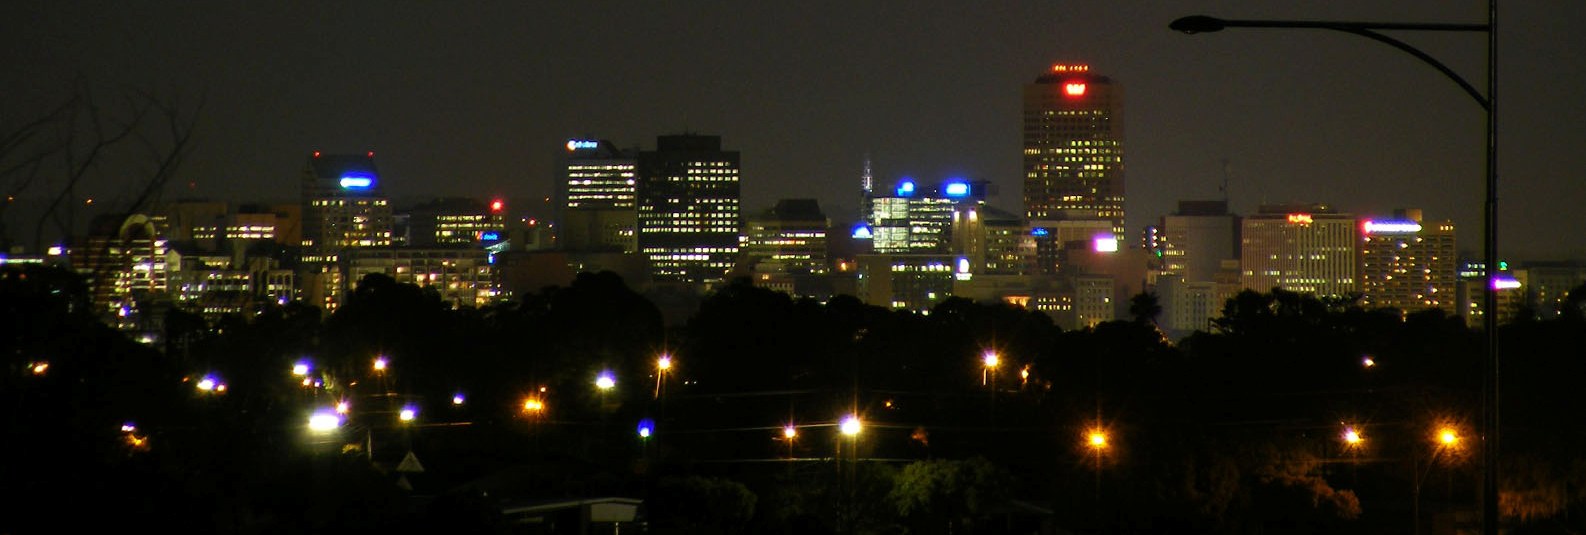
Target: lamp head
1198,24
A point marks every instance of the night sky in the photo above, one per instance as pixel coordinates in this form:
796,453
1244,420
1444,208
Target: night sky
475,98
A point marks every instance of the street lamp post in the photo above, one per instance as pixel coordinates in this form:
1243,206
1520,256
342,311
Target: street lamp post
1489,103
1447,438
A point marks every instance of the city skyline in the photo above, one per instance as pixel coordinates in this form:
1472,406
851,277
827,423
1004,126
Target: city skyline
485,97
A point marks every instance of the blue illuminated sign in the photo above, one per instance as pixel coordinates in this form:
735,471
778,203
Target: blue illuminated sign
582,144
489,235
862,232
1039,232
905,188
357,181
956,189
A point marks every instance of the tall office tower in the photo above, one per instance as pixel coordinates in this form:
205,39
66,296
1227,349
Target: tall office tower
792,236
688,208
1073,148
596,191
1407,264
919,219
1306,248
344,206
1197,238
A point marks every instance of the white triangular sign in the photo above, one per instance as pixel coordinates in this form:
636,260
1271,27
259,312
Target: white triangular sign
410,464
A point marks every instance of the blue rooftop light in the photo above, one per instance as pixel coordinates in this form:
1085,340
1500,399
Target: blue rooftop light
862,232
357,181
956,188
906,188
1039,232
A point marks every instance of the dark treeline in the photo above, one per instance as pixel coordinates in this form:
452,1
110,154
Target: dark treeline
1236,430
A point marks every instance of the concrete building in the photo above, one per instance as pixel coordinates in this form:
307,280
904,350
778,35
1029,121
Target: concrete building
1304,248
688,209
597,192
1407,263
1073,148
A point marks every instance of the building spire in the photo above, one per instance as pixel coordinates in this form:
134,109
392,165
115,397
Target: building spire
867,180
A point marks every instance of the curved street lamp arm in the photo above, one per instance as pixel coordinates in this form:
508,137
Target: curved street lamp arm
1429,60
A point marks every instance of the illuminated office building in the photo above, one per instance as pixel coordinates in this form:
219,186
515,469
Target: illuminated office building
463,276
1197,239
993,241
455,221
918,218
791,236
1407,263
344,207
689,215
596,192
1303,248
1073,148
1471,293
124,262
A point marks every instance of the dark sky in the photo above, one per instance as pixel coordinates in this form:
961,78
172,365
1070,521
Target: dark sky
474,98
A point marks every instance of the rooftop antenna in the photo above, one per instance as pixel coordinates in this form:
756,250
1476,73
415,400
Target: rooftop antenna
867,180
1228,171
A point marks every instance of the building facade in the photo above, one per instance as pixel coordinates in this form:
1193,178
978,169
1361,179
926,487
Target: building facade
688,209
1408,264
597,198
343,207
1073,147
1304,248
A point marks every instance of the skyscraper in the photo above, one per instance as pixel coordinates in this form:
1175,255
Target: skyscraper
1408,264
1304,248
1073,148
596,193
344,206
688,201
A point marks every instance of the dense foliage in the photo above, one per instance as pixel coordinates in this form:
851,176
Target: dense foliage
1234,430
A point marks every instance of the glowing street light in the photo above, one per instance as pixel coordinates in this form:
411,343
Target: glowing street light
989,361
1096,439
1352,437
662,364
1447,437
300,368
606,380
380,364
1368,362
324,421
39,368
533,406
342,407
790,432
850,426
457,399
407,414
129,427
646,427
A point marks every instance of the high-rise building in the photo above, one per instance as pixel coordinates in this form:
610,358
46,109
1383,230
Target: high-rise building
1196,239
455,221
596,198
1304,248
1408,264
688,201
919,219
1073,148
344,206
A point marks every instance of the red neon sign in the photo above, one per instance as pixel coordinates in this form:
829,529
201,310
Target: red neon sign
1074,90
